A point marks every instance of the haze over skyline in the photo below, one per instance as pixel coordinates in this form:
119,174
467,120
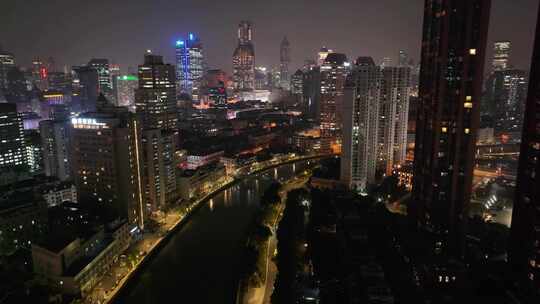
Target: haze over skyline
72,32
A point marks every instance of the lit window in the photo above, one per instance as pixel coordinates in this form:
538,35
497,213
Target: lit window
467,105
468,98
467,130
472,51
444,129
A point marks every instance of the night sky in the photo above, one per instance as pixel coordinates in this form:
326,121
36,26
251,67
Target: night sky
73,31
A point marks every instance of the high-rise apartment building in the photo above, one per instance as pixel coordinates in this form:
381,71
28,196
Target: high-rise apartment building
55,141
360,125
501,55
107,161
448,116
284,62
244,59
333,74
155,99
189,66
403,58
393,117
524,249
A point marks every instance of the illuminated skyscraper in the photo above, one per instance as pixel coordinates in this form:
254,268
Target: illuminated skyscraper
244,59
12,148
333,74
104,77
524,245
403,58
285,60
125,89
321,56
501,55
155,98
393,117
360,125
107,161
189,66
448,115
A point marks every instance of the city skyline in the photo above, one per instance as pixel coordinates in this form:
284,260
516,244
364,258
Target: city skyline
105,38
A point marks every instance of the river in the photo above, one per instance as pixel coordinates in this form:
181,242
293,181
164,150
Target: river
202,260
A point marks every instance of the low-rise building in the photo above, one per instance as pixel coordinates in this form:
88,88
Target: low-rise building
196,159
56,193
74,265
194,183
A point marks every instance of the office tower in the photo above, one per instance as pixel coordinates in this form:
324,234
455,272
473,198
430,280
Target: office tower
55,142
155,98
284,61
311,92
297,83
17,87
107,161
448,117
261,78
214,86
40,73
244,59
189,66
104,77
360,125
506,93
159,167
7,62
386,62
501,55
393,117
524,244
333,74
12,150
403,58
125,89
34,151
86,86
321,56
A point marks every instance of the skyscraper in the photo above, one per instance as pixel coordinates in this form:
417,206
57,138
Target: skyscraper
524,245
403,58
189,66
125,90
393,117
333,74
7,62
284,61
12,149
311,92
321,55
244,59
360,125
448,117
155,98
86,87
55,141
107,161
501,55
104,77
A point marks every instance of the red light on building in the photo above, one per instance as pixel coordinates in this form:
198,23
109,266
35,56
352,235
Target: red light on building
43,73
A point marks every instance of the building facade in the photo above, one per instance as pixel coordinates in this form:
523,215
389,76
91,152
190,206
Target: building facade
284,62
244,59
360,125
453,53
524,244
155,99
501,55
189,66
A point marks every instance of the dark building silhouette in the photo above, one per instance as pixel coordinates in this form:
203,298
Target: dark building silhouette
524,251
453,53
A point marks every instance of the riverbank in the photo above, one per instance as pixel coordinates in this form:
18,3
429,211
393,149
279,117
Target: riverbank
174,223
